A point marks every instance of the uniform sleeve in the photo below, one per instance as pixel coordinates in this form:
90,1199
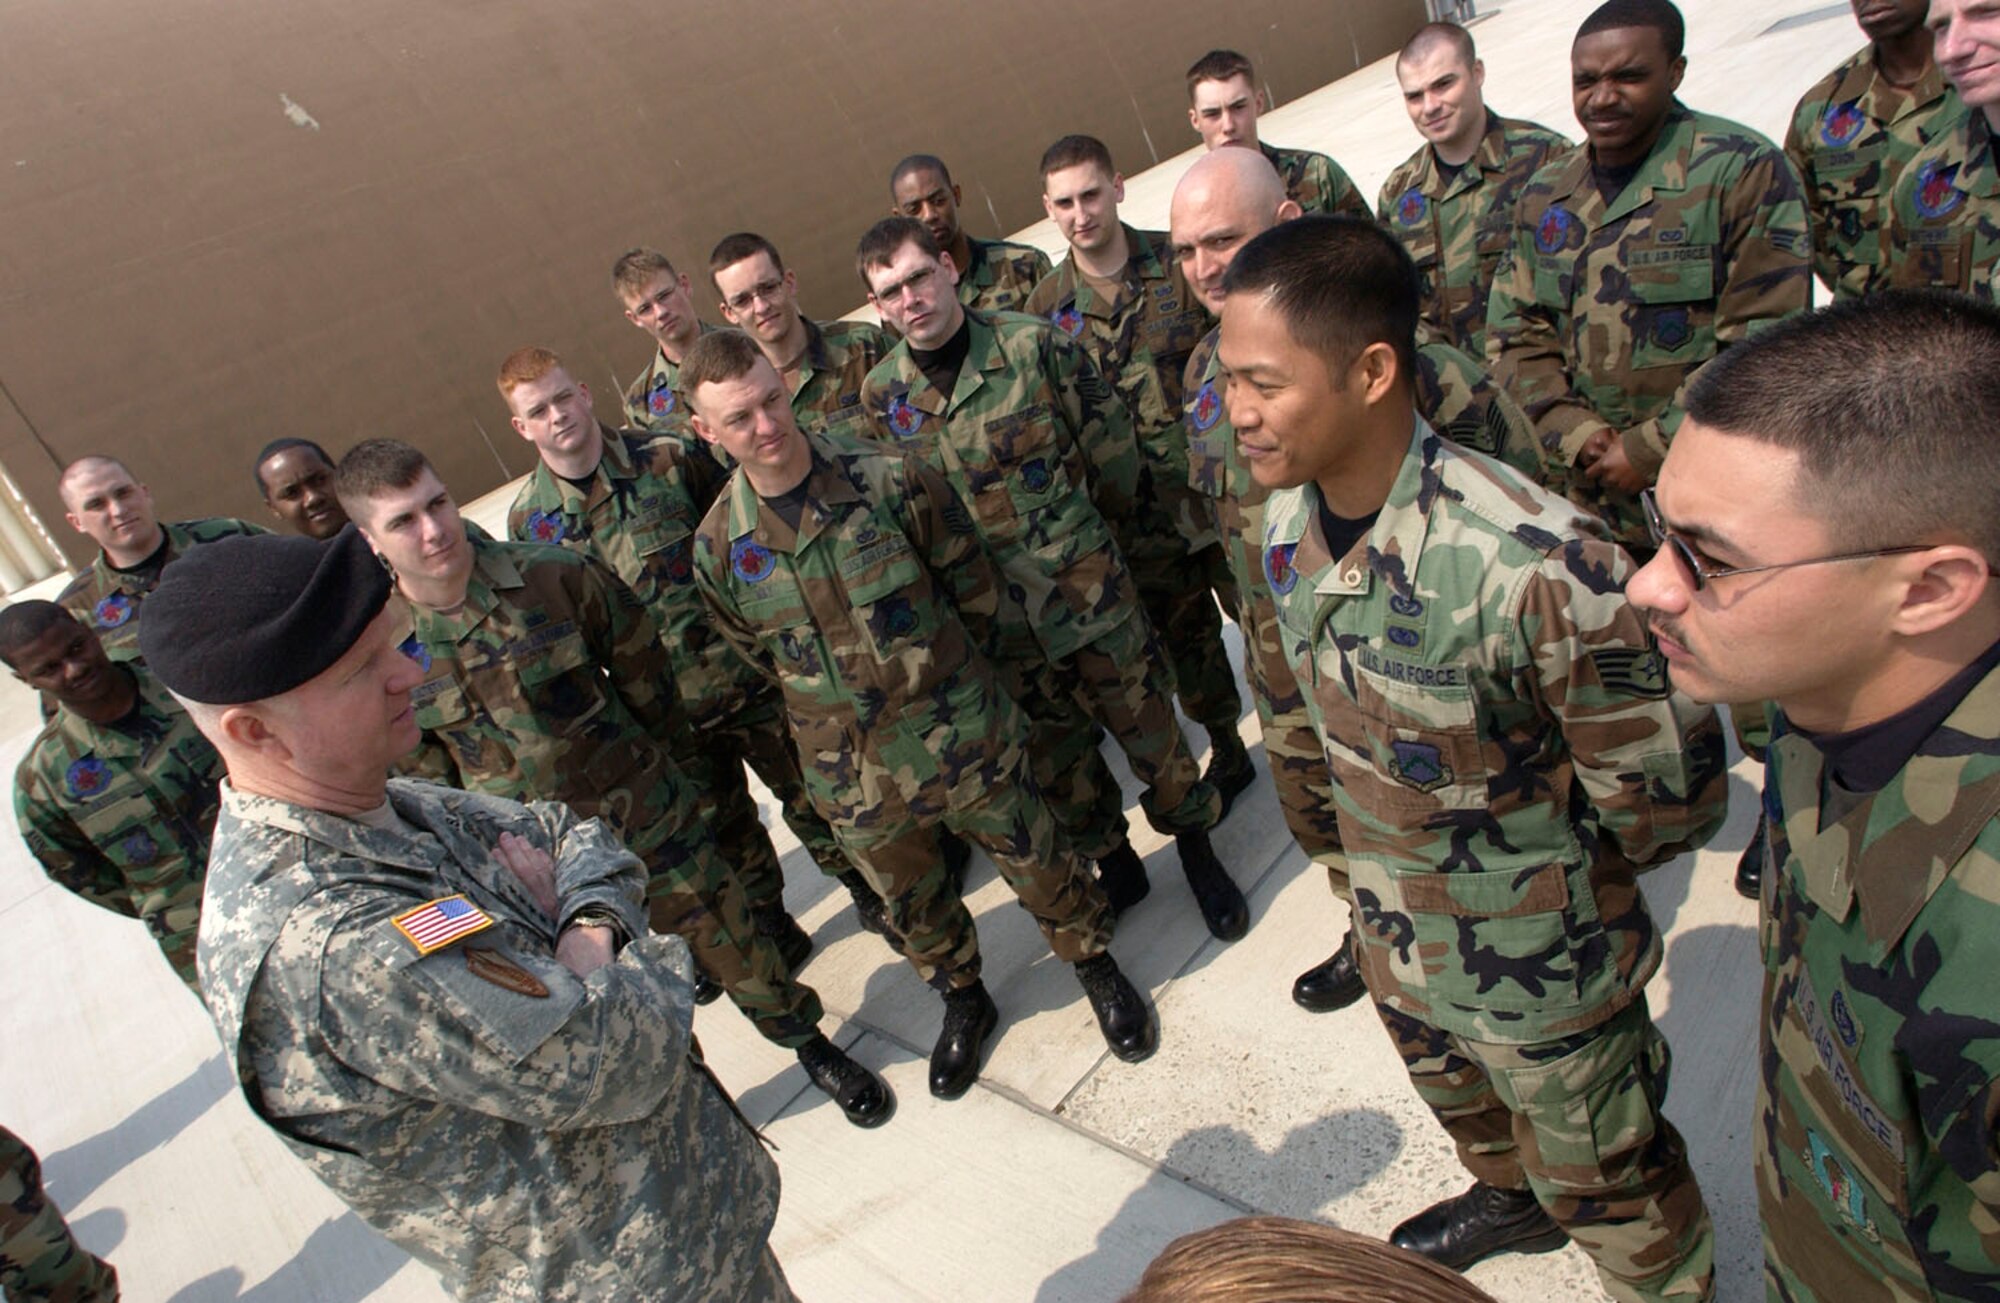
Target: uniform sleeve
1767,276
1101,427
1650,761
1344,198
517,514
1799,154
1524,351
705,476
624,639
724,617
593,867
70,859
545,1049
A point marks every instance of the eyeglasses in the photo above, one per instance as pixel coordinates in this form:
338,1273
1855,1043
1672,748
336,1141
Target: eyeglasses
1699,574
914,282
766,290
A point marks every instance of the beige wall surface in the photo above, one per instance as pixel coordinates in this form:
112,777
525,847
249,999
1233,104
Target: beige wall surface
230,221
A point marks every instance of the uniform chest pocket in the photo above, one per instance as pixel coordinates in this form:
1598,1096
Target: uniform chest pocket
666,549
891,603
120,823
1515,927
1673,313
440,703
563,684
1552,278
1851,173
1409,739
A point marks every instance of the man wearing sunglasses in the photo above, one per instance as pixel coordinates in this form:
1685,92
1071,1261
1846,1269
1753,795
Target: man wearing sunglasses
821,362
1828,528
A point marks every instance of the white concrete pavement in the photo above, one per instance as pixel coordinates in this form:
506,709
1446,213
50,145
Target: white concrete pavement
1065,1170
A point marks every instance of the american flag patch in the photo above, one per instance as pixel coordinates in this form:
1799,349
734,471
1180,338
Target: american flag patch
438,924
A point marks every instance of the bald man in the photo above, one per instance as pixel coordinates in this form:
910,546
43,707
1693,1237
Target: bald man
105,503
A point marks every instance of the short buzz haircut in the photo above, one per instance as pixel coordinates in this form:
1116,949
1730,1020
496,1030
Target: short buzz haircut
1340,283
636,268
732,249
1283,1259
277,446
1075,151
1890,451
89,461
718,357
376,466
523,366
918,163
1660,15
878,248
1219,65
23,622
1431,35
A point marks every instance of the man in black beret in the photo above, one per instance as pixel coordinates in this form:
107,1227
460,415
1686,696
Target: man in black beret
446,1004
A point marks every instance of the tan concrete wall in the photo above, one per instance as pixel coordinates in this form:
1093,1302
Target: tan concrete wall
228,221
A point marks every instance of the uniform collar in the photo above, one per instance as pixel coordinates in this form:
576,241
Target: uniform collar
818,355
1490,156
982,354
82,735
493,572
1871,856
336,832
1398,534
1144,263
1862,82
1663,171
826,489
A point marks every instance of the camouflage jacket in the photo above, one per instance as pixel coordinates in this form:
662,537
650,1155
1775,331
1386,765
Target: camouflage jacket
1453,393
1944,223
1140,341
1851,137
1040,449
1601,312
1002,275
654,403
636,517
108,599
123,818
839,355
1456,224
1876,1149
528,1134
550,683
1316,183
877,617
1504,747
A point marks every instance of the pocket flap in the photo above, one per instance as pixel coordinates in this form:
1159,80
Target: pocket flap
1505,893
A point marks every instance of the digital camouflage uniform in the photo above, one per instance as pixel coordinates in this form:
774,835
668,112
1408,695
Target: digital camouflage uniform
636,516
39,1257
529,1134
108,599
1454,394
1851,136
877,616
1315,182
1002,275
122,817
839,355
1040,449
1944,220
1140,341
1506,757
1601,312
1455,224
550,683
1877,1175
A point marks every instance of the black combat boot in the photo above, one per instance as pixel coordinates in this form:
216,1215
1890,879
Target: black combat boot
969,1018
1229,767
1483,1221
706,989
863,1096
869,910
1222,905
957,853
793,941
1122,874
1121,1011
1750,869
1332,985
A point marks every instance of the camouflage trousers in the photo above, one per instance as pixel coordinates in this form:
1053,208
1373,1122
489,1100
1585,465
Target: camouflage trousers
39,1258
1122,684
757,736
1578,1121
178,947
1179,596
691,893
1001,812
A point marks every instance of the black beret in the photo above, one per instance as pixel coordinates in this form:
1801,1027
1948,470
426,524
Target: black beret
249,617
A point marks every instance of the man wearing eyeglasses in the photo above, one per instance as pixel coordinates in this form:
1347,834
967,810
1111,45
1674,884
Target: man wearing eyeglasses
1828,537
821,362
657,300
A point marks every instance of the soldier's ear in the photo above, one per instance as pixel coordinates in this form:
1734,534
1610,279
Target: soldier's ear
246,728
1290,209
700,426
1376,370
1942,585
1675,73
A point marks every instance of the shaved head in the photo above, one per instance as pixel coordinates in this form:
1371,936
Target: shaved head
1245,176
83,466
1227,198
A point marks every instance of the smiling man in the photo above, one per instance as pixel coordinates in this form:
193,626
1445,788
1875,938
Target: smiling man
1856,131
1945,212
1452,202
1829,532
105,503
296,479
1506,759
1669,236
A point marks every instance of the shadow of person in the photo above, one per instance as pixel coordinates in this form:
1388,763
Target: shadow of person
81,1168
342,1259
1314,1165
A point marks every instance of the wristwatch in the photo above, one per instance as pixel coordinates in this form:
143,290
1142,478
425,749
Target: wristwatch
598,916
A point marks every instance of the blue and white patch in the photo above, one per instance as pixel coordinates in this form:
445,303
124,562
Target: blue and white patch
1938,194
113,611
904,420
1279,571
87,778
547,526
1412,207
1068,320
750,560
1206,407
1552,232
